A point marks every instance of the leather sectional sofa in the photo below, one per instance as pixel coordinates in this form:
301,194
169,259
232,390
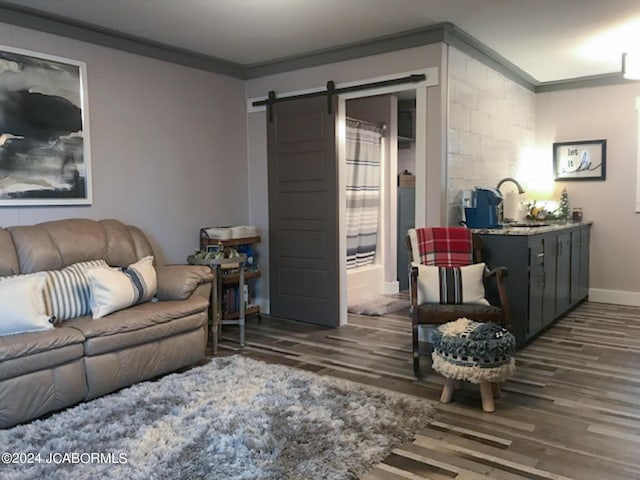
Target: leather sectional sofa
83,358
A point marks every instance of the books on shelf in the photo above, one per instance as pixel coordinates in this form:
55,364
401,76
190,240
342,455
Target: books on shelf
231,299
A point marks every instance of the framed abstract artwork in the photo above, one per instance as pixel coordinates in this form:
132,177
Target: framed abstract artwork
582,160
44,130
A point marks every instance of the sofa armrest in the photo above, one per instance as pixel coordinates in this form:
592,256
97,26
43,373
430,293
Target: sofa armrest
179,282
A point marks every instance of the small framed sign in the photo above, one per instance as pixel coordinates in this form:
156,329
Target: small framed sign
582,160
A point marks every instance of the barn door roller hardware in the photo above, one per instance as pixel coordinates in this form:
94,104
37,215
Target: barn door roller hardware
331,90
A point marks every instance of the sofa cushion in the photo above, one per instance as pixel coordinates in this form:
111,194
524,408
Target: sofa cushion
39,372
35,249
8,258
142,246
40,361
121,250
140,324
26,344
126,340
56,244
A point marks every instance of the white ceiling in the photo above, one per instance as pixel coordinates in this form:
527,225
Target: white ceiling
548,39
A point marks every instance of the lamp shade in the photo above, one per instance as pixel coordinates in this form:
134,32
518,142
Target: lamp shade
631,65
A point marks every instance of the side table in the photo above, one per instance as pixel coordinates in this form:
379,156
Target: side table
217,265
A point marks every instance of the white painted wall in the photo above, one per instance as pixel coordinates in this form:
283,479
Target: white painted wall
168,145
491,126
361,69
590,114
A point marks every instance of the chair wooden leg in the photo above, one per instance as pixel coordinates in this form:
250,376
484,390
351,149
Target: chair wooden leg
495,388
447,391
487,397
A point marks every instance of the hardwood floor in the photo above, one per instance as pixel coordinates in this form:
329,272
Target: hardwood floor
572,411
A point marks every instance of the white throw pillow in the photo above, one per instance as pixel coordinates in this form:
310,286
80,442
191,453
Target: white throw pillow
451,285
113,289
22,304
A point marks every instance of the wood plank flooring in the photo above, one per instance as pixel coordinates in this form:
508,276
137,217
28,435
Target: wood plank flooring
572,411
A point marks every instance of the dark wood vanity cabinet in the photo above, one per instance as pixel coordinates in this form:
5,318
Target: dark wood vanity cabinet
548,272
563,271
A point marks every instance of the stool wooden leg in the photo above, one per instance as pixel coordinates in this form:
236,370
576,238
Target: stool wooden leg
487,397
447,391
495,387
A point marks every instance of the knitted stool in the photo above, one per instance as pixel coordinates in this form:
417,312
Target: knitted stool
474,352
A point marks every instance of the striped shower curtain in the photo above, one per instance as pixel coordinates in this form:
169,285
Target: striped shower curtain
364,153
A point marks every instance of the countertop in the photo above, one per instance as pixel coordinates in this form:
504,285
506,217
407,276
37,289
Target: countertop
530,228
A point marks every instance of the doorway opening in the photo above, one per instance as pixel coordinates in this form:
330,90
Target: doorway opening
379,173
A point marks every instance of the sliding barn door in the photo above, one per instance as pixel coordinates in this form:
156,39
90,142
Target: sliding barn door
303,211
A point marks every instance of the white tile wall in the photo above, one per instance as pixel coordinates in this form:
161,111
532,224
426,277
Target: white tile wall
491,122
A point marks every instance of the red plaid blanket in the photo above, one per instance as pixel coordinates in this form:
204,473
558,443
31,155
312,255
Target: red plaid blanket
445,246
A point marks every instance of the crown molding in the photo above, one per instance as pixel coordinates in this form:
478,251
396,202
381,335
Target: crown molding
86,32
444,32
374,46
464,42
583,82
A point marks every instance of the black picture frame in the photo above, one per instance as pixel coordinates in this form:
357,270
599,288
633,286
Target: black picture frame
44,137
580,160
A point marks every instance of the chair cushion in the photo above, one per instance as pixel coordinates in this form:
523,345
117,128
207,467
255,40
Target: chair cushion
435,313
473,351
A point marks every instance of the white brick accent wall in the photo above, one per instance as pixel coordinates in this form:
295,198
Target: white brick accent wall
491,122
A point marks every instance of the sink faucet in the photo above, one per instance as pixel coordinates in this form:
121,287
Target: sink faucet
509,179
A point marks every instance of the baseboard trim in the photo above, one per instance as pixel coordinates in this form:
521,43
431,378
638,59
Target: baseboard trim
617,297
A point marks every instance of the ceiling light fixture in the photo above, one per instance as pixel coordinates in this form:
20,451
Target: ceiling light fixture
631,65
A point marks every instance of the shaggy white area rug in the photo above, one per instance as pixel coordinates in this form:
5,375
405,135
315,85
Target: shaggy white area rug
233,418
378,305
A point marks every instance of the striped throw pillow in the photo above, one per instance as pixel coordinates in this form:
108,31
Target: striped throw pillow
66,292
451,285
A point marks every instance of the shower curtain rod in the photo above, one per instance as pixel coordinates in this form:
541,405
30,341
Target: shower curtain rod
382,125
332,90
